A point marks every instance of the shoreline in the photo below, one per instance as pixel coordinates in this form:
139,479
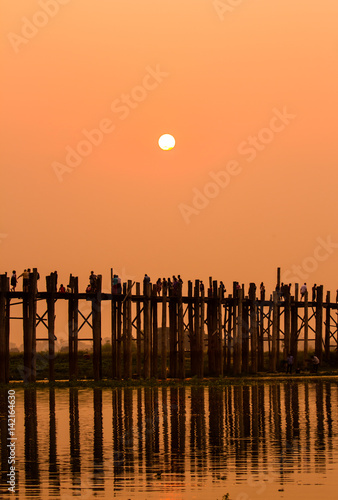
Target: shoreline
189,382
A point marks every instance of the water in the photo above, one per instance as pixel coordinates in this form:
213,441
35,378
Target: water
257,441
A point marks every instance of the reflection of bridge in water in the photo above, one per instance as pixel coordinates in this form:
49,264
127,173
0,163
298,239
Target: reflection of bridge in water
155,332
172,439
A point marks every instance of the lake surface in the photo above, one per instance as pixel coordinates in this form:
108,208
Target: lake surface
261,441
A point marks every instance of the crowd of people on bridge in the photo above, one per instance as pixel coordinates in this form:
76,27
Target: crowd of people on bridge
173,284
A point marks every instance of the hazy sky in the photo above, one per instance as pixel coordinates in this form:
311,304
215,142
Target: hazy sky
249,90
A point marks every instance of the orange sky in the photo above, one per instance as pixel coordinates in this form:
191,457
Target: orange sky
217,77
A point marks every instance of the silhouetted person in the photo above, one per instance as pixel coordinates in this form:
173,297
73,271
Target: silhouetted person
14,281
315,363
262,291
289,363
314,290
303,290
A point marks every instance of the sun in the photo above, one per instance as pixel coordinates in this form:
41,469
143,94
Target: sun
166,142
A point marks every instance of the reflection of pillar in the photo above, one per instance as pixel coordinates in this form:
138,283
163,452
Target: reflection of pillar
295,423
140,430
307,454
31,444
275,395
98,471
74,436
128,428
328,413
288,418
156,421
320,458
148,431
174,428
255,410
197,432
181,431
216,426
165,414
118,455
54,472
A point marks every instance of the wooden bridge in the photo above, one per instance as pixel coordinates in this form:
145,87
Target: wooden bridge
198,334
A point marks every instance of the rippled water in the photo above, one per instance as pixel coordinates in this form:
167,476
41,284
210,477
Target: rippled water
251,441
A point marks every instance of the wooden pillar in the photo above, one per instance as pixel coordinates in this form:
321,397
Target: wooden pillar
195,333
29,320
253,327
4,351
229,333
51,289
191,331
164,334
294,328
96,315
154,332
147,330
127,334
32,318
225,344
180,332
138,332
275,317
219,345
73,305
113,291
119,336
296,291
287,321
234,328
306,327
172,334
211,325
319,323
27,343
327,327
238,337
7,330
200,367
245,338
